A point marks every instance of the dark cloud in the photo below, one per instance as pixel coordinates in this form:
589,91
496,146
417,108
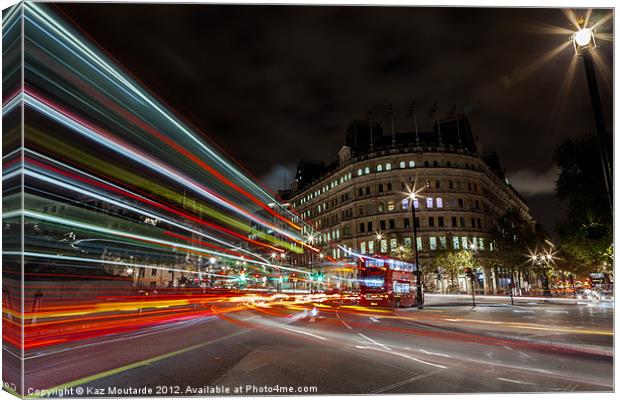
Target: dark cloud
273,84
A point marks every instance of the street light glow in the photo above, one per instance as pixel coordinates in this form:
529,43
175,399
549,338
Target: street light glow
583,37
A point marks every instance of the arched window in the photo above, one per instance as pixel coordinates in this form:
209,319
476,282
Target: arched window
435,163
403,164
380,188
388,166
411,164
381,206
448,164
426,163
389,186
405,204
366,170
390,205
439,202
379,168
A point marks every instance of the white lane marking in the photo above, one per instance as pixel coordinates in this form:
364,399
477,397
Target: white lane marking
402,355
305,333
345,324
373,319
434,354
401,383
515,381
374,341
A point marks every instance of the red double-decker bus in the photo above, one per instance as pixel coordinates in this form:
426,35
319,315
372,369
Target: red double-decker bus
386,282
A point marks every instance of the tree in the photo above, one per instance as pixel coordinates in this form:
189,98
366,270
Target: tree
452,263
515,237
587,234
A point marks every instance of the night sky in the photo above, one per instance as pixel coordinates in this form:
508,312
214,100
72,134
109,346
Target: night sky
274,84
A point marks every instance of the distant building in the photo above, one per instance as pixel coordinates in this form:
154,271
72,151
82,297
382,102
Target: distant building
363,193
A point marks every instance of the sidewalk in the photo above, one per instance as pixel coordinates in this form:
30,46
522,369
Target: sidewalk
432,299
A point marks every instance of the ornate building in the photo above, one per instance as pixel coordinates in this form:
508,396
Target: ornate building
359,202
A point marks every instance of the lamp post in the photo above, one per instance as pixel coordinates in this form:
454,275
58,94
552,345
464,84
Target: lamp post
584,43
543,261
418,272
311,241
379,236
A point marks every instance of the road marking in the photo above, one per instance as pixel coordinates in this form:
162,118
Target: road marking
434,354
345,324
142,363
305,333
401,383
402,355
374,341
516,381
373,319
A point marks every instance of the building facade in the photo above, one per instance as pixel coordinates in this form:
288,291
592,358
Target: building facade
360,204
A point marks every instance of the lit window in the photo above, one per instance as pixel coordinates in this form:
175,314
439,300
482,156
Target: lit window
442,242
481,243
359,172
429,202
381,207
416,203
363,247
388,166
390,205
403,164
393,245
474,243
405,203
407,241
384,245
432,241
428,184
419,243
411,164
371,246
439,202
455,243
490,246
367,170
464,242
379,168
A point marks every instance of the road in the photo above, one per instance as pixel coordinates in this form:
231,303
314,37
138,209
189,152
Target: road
345,349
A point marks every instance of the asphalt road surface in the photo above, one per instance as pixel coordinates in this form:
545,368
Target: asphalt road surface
280,348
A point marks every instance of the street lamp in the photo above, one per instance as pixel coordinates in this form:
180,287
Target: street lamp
378,236
418,273
584,43
543,260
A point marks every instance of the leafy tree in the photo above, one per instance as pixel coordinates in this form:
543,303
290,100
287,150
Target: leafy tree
587,234
451,263
515,237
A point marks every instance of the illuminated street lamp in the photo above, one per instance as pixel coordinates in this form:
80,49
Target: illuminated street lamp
584,43
418,272
543,260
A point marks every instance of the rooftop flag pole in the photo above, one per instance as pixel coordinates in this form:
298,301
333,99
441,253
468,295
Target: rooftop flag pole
391,114
458,128
370,125
412,113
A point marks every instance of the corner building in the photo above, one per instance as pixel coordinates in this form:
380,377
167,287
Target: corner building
362,194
